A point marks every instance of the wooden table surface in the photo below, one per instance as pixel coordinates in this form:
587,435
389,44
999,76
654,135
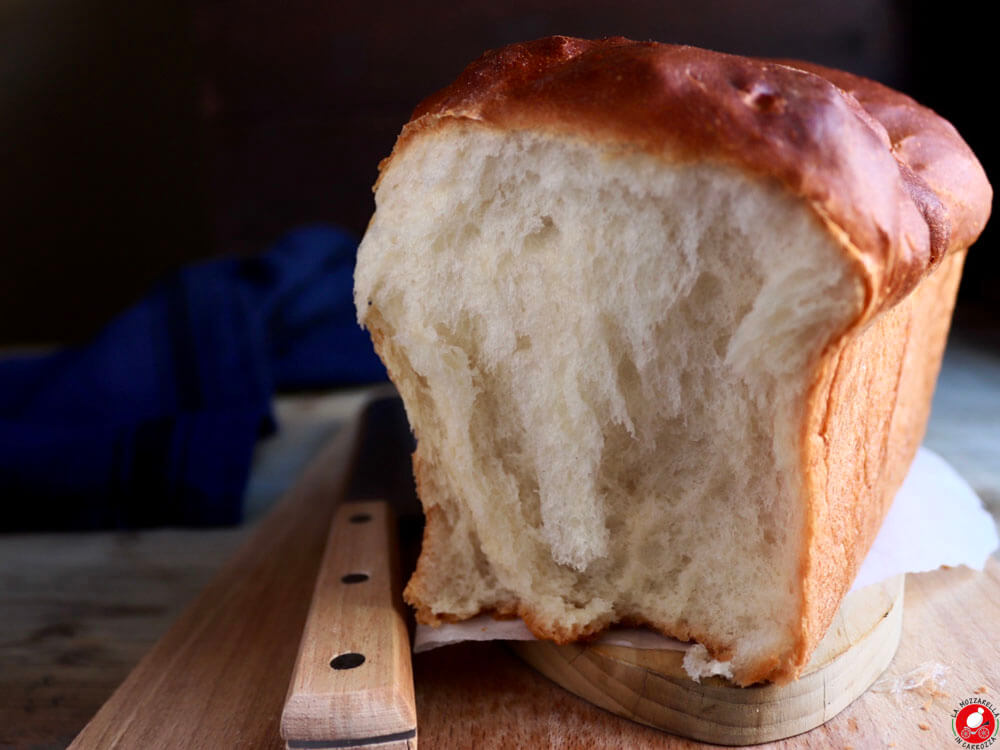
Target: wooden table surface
77,611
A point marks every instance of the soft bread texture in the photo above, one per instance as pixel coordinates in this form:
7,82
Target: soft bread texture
666,324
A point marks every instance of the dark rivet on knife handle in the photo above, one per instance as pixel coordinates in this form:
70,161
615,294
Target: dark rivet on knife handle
349,660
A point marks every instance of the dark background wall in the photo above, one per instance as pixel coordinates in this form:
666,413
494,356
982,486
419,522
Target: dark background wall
102,167
136,136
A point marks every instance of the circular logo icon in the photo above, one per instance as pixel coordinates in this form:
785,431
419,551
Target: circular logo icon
976,723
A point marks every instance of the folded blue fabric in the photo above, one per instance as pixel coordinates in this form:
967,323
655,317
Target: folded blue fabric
154,422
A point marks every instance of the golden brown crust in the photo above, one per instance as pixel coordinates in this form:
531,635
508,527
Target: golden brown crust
865,417
943,175
891,177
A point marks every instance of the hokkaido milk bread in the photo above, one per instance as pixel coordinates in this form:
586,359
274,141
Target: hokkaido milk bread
666,324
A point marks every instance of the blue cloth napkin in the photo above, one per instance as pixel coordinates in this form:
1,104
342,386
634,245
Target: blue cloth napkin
154,422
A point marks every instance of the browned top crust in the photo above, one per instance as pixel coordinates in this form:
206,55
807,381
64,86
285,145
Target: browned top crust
890,178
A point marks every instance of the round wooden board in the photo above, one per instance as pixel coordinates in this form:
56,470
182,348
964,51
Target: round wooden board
651,687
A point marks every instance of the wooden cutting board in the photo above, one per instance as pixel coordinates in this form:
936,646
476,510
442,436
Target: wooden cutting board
219,677
652,687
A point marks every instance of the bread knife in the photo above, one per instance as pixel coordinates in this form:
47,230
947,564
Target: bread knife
352,685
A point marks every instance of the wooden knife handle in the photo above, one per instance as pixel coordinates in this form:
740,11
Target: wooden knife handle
352,685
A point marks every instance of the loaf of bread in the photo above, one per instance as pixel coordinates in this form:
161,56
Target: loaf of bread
666,324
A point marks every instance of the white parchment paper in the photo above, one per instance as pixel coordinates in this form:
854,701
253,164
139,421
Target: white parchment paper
936,519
